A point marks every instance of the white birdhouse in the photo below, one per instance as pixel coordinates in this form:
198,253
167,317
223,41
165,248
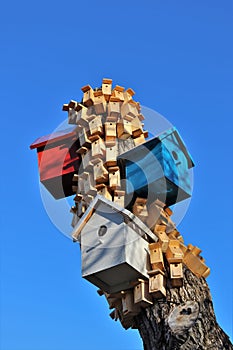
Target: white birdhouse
114,246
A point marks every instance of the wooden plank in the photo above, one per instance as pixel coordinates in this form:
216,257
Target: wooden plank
76,234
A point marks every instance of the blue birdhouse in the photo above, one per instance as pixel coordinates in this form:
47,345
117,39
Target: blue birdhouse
158,168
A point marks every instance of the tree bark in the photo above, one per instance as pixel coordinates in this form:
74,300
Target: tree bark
185,320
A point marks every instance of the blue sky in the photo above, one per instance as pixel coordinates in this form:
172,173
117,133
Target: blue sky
177,56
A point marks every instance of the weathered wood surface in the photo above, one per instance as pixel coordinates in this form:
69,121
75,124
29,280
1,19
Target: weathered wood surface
185,320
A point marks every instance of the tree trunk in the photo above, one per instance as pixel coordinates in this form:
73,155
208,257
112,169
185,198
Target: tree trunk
184,320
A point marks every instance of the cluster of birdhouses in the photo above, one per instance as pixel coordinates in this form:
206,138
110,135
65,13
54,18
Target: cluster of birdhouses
123,185
108,122
133,257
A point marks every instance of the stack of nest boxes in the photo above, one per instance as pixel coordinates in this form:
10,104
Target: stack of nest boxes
123,186
133,255
108,123
136,262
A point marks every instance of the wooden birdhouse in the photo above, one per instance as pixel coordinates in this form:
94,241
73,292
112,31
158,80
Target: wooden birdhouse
176,274
157,285
107,88
114,246
158,168
58,161
141,294
129,308
195,262
156,256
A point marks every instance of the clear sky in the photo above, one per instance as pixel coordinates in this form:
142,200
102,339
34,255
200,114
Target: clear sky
177,56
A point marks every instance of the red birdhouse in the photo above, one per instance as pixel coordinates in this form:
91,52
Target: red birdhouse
58,161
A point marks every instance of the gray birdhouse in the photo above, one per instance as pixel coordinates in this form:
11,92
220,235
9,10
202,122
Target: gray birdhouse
114,246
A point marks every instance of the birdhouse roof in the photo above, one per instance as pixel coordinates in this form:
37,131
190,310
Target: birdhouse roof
54,137
128,217
151,143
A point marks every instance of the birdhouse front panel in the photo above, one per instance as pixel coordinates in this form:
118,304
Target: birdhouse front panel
58,161
159,168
